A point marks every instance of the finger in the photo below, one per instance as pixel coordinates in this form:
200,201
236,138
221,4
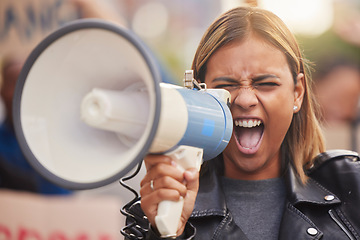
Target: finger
153,159
191,177
160,170
165,182
150,202
160,195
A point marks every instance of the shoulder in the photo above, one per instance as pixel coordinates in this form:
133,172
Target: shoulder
338,171
333,157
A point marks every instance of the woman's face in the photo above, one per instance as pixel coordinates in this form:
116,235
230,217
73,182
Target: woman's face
263,96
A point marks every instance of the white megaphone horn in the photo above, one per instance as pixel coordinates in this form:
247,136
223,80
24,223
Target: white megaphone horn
90,104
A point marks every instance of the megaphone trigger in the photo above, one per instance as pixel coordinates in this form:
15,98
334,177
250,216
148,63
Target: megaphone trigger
187,157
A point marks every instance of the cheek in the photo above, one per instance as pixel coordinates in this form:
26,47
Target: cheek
279,113
231,151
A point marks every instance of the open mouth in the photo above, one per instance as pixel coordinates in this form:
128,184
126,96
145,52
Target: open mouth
248,133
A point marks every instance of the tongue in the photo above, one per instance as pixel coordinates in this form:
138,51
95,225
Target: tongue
249,137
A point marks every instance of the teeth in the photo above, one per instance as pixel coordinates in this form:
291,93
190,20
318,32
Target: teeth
247,123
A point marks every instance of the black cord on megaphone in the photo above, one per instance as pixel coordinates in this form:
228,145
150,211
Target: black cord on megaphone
141,233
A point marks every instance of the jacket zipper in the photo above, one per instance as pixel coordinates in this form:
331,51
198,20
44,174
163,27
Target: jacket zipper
336,219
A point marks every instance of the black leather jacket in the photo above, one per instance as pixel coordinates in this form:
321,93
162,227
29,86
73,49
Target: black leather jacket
327,207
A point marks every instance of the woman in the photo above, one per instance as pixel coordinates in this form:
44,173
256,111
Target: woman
267,183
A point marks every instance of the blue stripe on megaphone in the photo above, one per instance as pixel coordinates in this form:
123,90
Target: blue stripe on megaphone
209,122
208,127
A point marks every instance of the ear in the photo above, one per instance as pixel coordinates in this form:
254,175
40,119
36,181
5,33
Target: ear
299,91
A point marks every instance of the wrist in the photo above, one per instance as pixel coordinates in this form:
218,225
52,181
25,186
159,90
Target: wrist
187,233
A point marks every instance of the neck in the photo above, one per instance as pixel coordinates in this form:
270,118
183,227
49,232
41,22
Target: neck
269,169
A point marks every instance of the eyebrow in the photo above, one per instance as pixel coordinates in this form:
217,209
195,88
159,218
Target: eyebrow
227,79
265,76
257,78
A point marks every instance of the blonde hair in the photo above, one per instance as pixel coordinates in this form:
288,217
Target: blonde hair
304,139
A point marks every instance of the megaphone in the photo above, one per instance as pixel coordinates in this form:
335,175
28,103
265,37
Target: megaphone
90,104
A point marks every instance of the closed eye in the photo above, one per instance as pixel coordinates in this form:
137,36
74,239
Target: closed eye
225,83
227,86
268,84
267,80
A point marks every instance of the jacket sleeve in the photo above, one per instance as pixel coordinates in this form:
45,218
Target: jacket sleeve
138,227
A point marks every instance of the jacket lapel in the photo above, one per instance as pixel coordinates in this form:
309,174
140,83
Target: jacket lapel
294,224
210,201
311,192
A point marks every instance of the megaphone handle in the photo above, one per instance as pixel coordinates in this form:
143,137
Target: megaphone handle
169,212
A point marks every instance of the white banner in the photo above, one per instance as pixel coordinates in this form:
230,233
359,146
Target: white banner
25,216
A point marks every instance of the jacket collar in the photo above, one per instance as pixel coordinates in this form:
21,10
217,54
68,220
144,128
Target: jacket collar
311,192
211,200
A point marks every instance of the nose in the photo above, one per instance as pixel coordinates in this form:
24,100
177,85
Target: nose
245,98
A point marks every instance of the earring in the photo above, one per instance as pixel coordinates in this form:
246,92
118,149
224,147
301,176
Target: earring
295,108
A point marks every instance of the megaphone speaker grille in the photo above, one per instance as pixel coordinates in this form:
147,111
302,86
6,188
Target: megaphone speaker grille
61,70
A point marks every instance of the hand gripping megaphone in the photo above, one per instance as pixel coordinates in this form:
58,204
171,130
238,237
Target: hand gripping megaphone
90,104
